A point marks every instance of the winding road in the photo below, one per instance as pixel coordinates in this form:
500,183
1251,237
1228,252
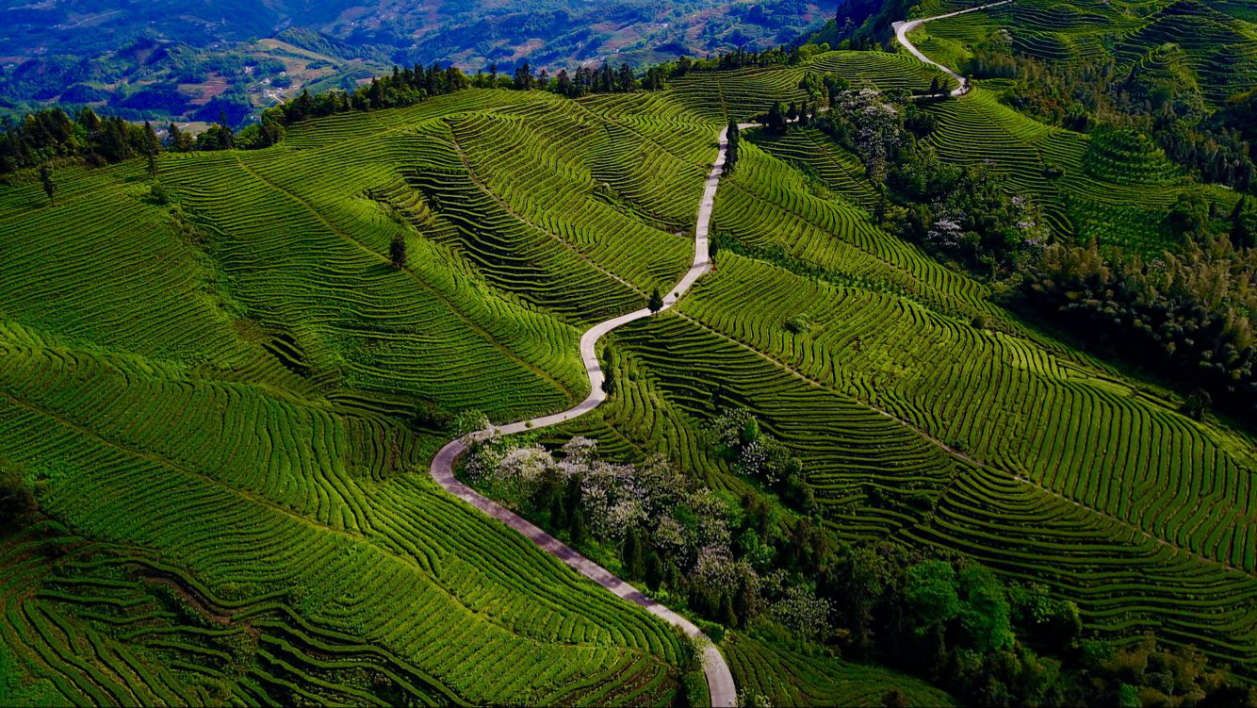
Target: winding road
903,27
719,679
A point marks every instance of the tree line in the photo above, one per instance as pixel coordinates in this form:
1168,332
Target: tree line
51,135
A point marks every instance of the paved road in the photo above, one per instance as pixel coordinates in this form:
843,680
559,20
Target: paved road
719,680
904,27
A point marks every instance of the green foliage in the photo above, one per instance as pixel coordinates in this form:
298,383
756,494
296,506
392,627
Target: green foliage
932,595
397,252
1191,314
655,302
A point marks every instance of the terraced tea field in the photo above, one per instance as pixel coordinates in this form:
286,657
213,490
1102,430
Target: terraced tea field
1213,41
228,404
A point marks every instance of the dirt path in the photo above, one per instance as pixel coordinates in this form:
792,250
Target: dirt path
719,679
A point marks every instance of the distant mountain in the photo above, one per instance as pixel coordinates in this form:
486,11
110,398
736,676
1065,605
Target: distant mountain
169,59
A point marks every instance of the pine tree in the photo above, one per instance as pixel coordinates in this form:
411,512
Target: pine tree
175,137
728,617
578,529
654,570
655,303
626,82
792,112
935,89
152,144
732,152
397,252
608,372
558,512
523,77
632,556
45,178
776,120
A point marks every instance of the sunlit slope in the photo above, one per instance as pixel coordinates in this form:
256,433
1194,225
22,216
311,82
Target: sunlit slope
221,397
213,401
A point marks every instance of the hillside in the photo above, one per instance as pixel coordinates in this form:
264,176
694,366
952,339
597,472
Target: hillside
225,378
171,61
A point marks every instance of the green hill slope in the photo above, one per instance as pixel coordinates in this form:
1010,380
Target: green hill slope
215,399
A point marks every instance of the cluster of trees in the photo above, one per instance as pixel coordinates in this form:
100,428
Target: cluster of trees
780,116
403,87
1214,146
727,559
736,436
51,134
587,80
963,212
953,622
748,563
1191,316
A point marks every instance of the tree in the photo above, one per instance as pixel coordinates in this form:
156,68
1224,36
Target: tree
564,84
50,188
632,555
397,252
179,141
523,77
626,81
733,151
935,88
894,698
655,303
1244,223
577,528
931,595
654,570
608,373
776,119
493,75
1197,404
152,146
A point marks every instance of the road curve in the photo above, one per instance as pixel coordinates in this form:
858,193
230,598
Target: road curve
719,679
903,27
